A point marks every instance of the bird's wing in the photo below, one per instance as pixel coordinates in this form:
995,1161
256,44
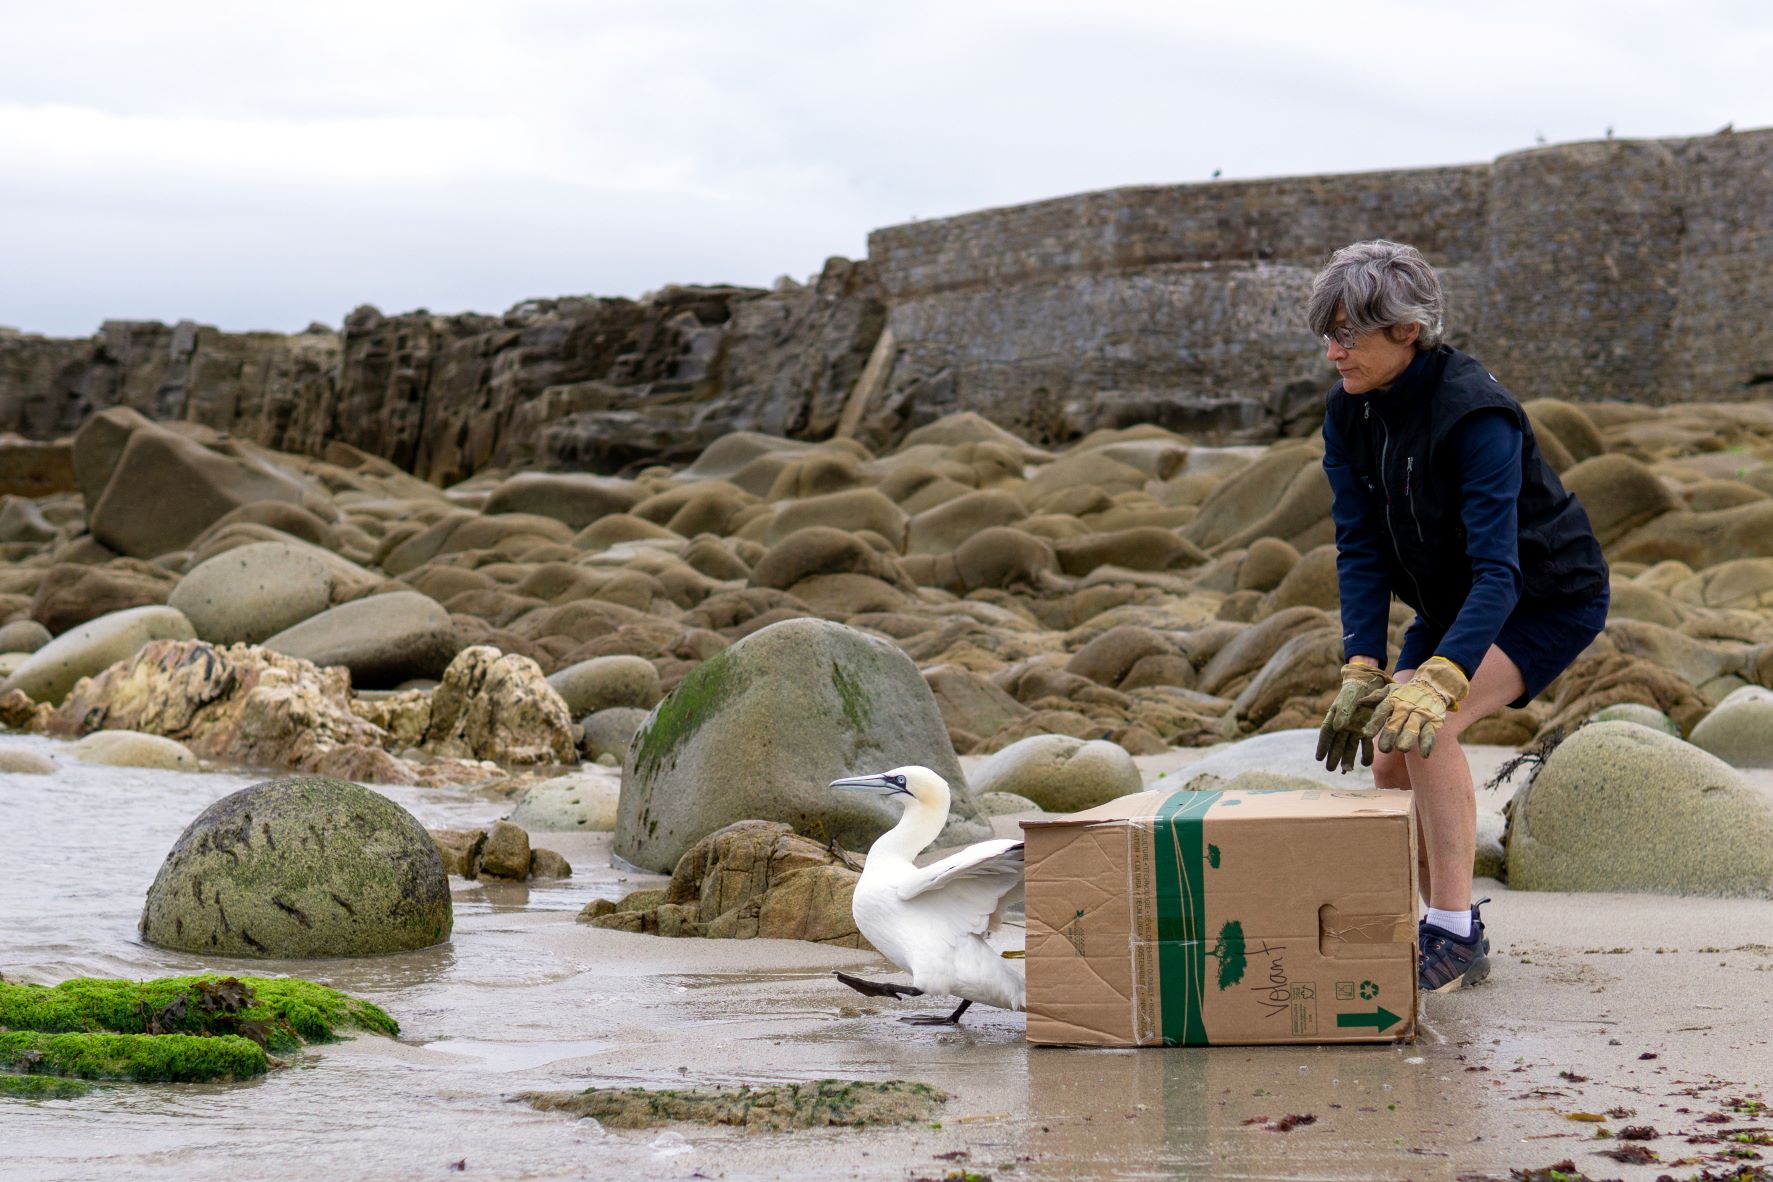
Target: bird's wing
977,885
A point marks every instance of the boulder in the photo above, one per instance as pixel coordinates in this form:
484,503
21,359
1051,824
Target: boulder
1490,858
820,550
1265,564
1059,773
243,705
506,853
383,640
71,593
605,682
1144,547
23,636
970,704
1004,557
31,468
1739,730
852,511
300,868
1289,753
1600,679
1642,715
133,749
498,706
941,528
1618,807
22,521
608,732
548,864
22,761
1107,659
761,729
1310,582
167,489
1619,493
285,518
748,880
460,850
575,499
248,594
998,804
581,801
92,647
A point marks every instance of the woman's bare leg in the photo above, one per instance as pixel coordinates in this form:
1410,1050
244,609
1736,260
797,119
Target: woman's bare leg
1446,800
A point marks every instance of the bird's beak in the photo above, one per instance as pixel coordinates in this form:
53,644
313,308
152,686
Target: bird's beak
879,785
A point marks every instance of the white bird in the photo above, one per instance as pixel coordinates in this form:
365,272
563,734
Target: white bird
935,921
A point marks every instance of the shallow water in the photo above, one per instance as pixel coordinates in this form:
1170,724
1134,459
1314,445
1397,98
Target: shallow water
525,998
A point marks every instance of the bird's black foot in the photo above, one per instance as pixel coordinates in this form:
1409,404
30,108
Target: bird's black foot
938,1019
877,988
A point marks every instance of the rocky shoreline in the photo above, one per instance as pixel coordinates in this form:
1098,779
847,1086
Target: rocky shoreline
1133,593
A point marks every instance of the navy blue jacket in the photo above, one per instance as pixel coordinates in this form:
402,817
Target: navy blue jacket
1442,496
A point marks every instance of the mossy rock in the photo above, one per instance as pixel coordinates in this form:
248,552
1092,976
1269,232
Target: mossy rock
284,1012
41,1087
759,731
300,867
142,1058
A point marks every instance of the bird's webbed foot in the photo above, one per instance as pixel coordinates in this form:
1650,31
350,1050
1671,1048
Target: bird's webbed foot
937,1019
877,988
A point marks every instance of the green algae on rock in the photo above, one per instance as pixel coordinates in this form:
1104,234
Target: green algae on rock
823,1103
300,867
41,1087
142,1058
283,1012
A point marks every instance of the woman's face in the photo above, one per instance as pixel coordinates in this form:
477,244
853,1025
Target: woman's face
1376,359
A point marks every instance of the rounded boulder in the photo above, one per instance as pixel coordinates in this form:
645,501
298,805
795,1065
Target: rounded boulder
383,639
300,868
1739,730
253,592
1619,807
1059,773
603,682
759,731
134,749
94,647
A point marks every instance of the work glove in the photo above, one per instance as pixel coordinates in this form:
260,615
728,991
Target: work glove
1412,712
1363,688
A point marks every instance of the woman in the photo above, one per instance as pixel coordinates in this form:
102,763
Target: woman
1441,497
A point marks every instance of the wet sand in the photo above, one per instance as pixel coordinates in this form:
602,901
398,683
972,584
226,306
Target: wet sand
525,998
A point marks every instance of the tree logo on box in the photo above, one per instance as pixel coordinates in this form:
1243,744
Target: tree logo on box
1229,952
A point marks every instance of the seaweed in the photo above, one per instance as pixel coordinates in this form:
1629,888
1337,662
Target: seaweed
819,1104
41,1087
278,1013
142,1058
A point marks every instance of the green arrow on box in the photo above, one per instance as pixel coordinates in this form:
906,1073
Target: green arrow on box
1380,1019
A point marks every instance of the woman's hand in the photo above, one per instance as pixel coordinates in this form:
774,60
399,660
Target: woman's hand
1412,713
1363,687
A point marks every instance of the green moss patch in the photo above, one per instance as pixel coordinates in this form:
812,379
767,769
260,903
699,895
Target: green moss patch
681,714
172,1030
823,1103
278,1013
41,1087
143,1058
858,711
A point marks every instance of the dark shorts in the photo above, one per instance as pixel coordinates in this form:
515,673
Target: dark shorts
1542,643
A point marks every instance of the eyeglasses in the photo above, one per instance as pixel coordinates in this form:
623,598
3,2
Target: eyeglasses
1343,335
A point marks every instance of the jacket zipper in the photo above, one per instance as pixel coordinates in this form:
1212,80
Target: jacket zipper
1409,482
1384,451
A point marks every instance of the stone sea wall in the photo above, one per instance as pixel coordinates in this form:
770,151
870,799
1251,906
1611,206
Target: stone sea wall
1629,270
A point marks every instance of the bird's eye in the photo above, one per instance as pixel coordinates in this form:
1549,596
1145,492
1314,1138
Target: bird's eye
899,780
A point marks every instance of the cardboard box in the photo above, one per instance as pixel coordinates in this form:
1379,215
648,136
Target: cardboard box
1192,918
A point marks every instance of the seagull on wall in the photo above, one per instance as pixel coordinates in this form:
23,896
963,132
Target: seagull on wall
936,921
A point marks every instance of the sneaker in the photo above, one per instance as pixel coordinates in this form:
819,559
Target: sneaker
1444,962
1477,925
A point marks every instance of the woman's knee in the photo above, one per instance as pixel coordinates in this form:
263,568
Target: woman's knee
1390,771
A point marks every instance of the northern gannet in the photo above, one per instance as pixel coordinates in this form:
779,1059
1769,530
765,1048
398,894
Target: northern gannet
934,921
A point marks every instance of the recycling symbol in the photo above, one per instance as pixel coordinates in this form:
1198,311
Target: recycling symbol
1369,991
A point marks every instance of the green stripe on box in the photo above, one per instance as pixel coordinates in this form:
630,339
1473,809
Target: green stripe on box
1178,838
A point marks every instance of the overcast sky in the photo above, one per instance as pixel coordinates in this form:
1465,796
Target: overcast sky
256,165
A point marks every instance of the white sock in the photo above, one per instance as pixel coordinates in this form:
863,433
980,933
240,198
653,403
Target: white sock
1457,922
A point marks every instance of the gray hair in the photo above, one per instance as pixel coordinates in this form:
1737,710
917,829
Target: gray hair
1379,284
